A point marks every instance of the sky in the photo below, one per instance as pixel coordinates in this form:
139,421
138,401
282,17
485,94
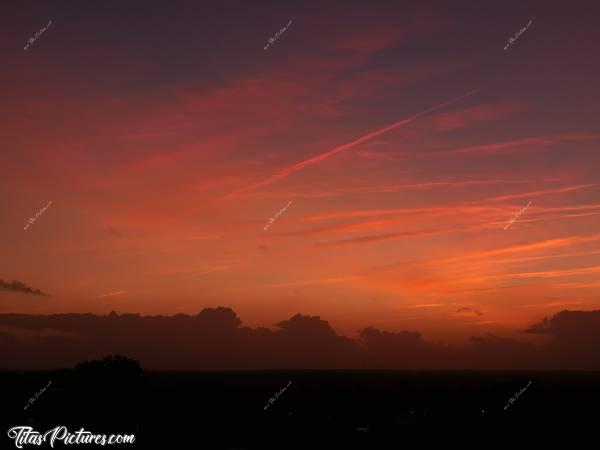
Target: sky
387,144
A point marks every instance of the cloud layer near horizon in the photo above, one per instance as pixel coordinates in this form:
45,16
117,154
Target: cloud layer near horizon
215,339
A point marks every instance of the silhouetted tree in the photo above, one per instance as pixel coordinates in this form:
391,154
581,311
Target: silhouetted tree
112,387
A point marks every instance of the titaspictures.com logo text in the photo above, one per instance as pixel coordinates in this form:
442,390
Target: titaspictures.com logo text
24,435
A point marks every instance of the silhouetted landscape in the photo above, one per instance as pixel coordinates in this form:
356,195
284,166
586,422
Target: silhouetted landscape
319,410
326,406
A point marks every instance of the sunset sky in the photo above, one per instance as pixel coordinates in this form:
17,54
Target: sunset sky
403,134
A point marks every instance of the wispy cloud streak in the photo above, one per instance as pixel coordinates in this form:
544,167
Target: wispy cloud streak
112,294
305,282
17,286
316,159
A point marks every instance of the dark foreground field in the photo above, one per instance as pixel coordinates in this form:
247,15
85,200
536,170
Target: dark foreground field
319,410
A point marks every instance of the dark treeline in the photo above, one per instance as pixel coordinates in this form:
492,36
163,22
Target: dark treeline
215,340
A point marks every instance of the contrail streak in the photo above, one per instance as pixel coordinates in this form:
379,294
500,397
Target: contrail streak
112,294
219,269
315,159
